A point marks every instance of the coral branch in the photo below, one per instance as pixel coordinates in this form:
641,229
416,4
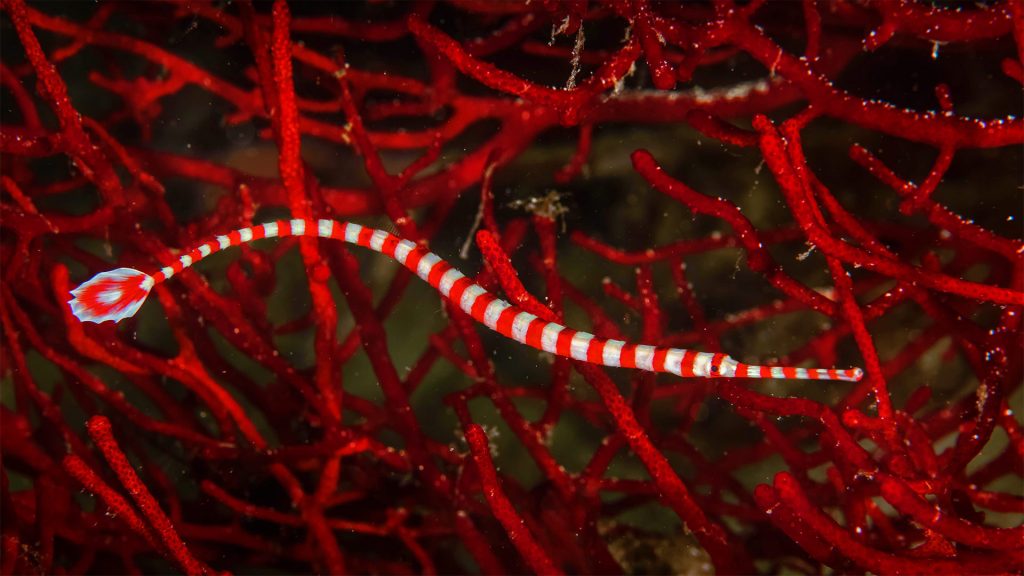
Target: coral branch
102,434
503,510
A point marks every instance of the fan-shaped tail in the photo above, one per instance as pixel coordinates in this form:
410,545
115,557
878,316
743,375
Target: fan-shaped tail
112,295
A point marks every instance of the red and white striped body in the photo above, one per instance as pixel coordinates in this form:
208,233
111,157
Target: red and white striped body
487,309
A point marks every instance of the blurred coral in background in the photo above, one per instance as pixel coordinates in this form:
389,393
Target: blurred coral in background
816,183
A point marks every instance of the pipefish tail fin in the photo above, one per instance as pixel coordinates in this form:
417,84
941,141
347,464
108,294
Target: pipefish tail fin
112,295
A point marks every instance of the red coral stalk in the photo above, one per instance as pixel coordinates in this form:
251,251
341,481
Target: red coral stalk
502,507
102,434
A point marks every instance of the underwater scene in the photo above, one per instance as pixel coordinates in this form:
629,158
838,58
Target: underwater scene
512,287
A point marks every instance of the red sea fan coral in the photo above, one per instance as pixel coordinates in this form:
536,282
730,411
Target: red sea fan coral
805,183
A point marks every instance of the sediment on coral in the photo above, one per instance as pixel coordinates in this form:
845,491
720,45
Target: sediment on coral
824,184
